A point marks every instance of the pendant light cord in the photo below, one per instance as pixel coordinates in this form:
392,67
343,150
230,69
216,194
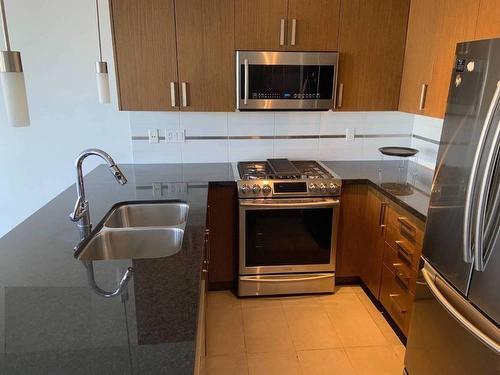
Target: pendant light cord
98,30
4,25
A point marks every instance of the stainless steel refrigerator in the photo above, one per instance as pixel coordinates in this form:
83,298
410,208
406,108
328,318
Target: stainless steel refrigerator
455,321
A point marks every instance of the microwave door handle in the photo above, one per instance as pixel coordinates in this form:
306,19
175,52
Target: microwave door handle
484,187
245,83
471,186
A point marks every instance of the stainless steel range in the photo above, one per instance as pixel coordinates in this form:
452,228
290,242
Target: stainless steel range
288,219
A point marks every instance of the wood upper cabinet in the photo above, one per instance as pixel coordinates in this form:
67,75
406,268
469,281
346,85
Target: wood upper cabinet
174,54
372,247
313,25
258,24
458,24
145,53
293,25
371,44
423,24
488,21
205,52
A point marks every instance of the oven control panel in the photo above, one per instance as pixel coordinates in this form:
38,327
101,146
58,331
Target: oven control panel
287,188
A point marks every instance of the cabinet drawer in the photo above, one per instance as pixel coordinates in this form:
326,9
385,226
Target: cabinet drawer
397,301
408,251
407,226
401,269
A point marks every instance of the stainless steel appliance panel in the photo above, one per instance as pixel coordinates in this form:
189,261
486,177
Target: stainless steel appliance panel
285,80
460,161
448,336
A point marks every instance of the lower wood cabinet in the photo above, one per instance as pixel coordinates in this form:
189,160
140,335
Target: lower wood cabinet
222,221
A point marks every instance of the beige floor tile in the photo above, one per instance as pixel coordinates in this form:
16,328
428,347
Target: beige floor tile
225,331
226,365
352,321
259,302
325,362
348,289
304,300
310,327
400,351
274,364
222,299
266,330
375,360
379,320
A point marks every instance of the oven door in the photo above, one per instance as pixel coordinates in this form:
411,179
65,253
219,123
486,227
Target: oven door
287,235
285,80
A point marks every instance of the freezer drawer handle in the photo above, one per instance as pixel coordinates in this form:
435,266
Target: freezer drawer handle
430,280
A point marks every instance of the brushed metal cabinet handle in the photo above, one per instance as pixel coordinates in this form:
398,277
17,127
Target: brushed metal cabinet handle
184,94
340,95
294,31
282,31
423,96
173,94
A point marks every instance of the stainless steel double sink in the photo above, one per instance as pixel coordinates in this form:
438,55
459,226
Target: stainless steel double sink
137,231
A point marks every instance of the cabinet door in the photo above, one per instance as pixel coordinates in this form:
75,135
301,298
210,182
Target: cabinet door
222,248
423,26
145,53
205,50
458,24
313,25
372,41
351,223
258,24
372,251
488,24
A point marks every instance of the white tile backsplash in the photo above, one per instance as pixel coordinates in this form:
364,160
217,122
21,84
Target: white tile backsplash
281,124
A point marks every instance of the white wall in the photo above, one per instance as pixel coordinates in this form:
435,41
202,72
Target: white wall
57,39
426,136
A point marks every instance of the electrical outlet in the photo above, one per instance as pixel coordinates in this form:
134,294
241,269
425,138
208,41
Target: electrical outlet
175,137
350,134
153,136
176,189
157,189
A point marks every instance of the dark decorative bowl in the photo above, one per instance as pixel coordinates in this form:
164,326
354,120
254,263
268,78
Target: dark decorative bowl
404,152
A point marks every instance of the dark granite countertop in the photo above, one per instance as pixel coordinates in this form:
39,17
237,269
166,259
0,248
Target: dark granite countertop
407,183
51,322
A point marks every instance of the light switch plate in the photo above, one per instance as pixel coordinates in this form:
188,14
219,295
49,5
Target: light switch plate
350,134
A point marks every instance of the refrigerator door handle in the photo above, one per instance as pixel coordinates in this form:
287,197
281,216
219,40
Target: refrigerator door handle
485,184
467,227
482,328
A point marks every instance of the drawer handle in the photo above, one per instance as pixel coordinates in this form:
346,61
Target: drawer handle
410,229
404,252
401,276
400,309
381,219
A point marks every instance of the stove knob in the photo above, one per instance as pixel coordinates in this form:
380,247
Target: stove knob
256,189
312,187
245,189
266,189
322,187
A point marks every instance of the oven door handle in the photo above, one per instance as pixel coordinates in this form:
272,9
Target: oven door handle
263,279
322,203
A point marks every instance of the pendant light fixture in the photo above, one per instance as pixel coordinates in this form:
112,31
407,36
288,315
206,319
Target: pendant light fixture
12,80
101,67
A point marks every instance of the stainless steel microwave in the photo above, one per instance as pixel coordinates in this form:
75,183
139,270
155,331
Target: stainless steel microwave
285,80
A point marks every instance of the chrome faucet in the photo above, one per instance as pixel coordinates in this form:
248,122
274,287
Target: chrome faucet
81,213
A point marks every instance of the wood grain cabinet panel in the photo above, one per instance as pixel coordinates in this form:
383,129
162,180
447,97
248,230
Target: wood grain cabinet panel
372,248
316,25
145,53
458,24
488,21
423,26
372,42
205,50
258,24
352,208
